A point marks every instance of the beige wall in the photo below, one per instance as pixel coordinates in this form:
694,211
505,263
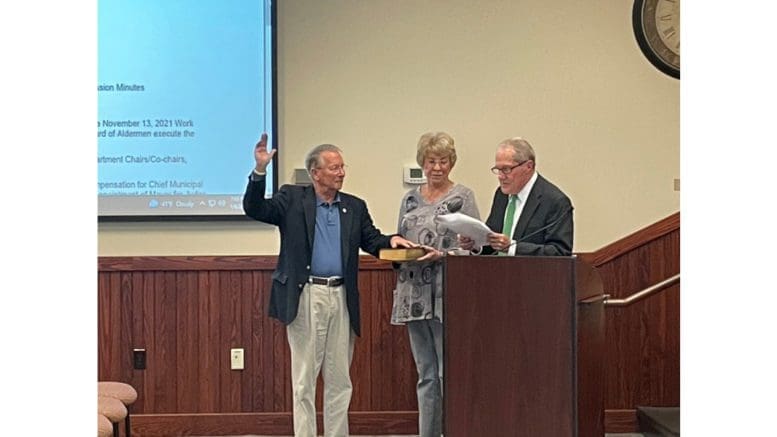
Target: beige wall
372,75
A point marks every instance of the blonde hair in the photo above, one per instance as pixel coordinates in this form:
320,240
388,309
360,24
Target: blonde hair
438,143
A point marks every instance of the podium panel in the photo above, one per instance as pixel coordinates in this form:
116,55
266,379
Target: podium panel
520,340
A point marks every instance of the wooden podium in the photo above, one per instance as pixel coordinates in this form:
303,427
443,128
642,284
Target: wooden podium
523,344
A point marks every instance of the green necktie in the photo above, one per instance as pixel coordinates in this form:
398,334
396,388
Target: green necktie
507,229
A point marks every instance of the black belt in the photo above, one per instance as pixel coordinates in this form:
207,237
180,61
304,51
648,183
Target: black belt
332,281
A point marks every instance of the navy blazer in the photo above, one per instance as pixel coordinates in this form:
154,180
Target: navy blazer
293,210
545,227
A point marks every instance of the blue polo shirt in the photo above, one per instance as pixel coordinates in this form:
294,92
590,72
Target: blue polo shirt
327,250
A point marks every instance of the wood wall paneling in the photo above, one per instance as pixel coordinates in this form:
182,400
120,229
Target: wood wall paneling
188,312
642,340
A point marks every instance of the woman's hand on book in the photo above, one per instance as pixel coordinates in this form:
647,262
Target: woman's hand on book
432,254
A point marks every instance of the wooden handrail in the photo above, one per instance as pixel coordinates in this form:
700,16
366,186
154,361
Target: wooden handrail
641,294
633,241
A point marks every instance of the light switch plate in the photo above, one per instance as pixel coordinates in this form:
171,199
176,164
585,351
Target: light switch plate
236,358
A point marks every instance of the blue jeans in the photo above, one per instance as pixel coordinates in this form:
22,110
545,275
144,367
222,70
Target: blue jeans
426,344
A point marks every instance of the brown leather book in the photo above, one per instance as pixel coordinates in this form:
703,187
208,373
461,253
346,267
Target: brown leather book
401,254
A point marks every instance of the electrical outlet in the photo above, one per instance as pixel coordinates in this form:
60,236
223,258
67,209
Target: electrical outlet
236,358
139,359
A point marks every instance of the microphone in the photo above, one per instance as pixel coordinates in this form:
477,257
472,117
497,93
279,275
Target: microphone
549,225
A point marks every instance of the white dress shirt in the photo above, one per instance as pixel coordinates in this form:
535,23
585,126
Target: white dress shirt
522,195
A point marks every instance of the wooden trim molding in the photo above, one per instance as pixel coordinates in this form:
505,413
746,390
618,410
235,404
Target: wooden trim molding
620,421
161,425
209,263
633,241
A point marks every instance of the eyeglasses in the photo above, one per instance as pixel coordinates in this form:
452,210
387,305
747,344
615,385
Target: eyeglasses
336,168
433,162
507,170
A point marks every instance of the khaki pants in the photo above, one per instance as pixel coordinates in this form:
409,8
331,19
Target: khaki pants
321,334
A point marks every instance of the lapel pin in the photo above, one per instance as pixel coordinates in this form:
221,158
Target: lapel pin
344,210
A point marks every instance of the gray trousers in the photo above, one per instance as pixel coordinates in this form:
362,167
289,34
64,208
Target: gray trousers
426,344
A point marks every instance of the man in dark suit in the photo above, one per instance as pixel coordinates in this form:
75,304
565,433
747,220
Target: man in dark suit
314,287
529,215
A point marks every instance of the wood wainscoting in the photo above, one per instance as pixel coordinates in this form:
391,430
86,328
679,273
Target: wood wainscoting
642,359
188,312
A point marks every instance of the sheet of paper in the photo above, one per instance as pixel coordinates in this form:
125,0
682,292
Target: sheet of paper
466,226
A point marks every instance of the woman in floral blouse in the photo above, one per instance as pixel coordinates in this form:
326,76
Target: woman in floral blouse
418,295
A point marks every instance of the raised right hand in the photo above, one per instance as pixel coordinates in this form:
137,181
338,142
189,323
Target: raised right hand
261,155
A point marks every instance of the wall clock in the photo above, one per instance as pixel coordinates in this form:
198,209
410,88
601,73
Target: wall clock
657,29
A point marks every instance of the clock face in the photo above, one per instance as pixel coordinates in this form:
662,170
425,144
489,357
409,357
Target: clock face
667,20
657,29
